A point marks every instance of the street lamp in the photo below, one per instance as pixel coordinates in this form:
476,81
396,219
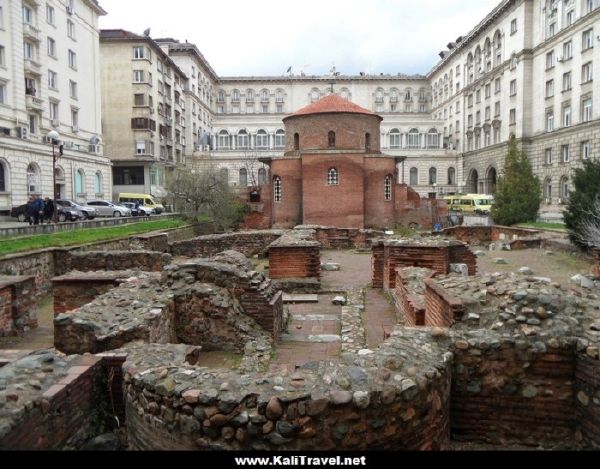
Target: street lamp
53,136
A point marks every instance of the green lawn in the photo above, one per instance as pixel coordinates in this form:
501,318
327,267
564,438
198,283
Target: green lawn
543,226
73,238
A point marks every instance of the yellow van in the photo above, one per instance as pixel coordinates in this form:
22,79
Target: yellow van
145,200
479,204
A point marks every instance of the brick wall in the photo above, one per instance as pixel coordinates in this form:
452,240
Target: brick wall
71,292
587,397
441,309
248,243
287,213
434,258
93,261
344,238
377,262
411,209
463,255
18,305
486,234
408,307
503,395
294,262
65,416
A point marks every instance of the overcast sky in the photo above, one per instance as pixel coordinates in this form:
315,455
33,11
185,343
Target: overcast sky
265,37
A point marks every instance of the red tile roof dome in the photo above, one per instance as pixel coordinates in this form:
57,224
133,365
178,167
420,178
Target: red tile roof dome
331,104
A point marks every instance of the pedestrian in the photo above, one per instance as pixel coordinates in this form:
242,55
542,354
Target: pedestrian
30,210
48,209
38,214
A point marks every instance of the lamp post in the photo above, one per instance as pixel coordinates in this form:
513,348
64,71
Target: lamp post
53,136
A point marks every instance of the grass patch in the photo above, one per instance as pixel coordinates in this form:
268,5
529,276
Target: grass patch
543,226
77,237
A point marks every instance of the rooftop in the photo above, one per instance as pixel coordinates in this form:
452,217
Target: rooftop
333,103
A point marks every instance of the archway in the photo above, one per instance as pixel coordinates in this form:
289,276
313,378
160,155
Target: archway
492,180
472,183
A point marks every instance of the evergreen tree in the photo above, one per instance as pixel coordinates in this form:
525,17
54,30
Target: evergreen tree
581,210
518,193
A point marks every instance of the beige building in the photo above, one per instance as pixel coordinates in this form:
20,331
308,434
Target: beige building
49,68
144,112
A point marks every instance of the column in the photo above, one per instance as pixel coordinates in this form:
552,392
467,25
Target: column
271,141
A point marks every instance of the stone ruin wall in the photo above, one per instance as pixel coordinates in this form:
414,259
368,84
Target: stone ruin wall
18,305
248,243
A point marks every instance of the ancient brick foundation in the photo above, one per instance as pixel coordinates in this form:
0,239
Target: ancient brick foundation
517,238
342,238
72,291
18,305
441,309
410,305
294,262
248,243
587,396
93,261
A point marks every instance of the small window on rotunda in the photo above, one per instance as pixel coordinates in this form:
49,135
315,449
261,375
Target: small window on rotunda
333,178
331,139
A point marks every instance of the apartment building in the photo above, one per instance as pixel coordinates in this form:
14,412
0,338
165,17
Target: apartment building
144,111
49,68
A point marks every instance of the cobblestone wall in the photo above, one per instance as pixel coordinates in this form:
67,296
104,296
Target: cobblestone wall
93,261
248,243
18,305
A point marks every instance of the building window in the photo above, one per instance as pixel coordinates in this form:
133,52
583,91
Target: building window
513,87
548,156
243,177
27,15
414,177
585,150
262,140
586,106
75,119
395,138
590,5
223,140
140,147
243,141
262,176
138,52
280,139
98,183
138,76
71,29
587,39
2,178
50,17
498,85
451,176
2,56
53,107
512,116
32,119
139,99
331,139
3,93
567,50
433,139
513,26
413,139
73,89
52,80
552,29
549,88
235,96
296,142
28,51
33,179
566,81
277,192
586,73
387,190
497,109
79,182
51,47
549,120
333,177
550,60
566,115
367,141
564,154
128,176
72,59
432,176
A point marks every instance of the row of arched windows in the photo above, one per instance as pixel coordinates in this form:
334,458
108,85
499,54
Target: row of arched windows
34,178
251,96
414,139
243,177
433,176
244,140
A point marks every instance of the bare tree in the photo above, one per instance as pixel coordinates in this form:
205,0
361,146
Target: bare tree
588,232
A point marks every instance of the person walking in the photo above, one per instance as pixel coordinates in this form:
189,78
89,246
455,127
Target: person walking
48,209
30,210
38,215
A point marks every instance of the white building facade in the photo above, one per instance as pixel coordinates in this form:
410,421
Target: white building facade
49,71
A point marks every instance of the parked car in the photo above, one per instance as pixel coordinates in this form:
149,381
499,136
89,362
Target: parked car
20,212
141,211
86,212
105,208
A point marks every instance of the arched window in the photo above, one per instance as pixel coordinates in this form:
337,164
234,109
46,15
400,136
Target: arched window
264,96
243,177
223,140
235,96
413,139
367,141
249,96
408,95
432,176
243,140
333,178
79,182
277,190
565,190
262,176
33,178
279,96
280,139
314,95
433,139
220,97
224,173
331,139
414,177
387,190
395,138
3,172
98,183
345,93
548,190
262,140
451,176
297,142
